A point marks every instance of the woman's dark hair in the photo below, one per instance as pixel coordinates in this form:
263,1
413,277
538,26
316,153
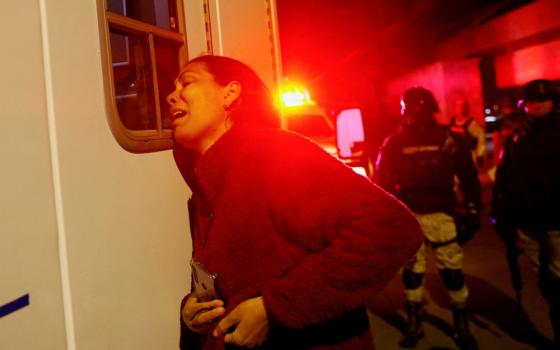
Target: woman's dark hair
255,105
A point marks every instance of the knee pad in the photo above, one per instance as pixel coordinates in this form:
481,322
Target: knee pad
412,280
453,279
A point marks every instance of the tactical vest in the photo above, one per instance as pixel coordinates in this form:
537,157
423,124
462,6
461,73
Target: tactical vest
463,130
426,170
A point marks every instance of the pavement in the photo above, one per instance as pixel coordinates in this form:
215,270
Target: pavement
498,321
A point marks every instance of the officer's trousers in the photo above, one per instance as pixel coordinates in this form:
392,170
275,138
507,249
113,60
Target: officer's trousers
549,240
441,238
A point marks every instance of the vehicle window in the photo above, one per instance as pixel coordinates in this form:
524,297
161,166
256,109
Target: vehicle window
350,131
144,48
161,13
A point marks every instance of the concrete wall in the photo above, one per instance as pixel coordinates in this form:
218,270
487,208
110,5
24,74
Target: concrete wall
536,22
448,81
535,62
524,43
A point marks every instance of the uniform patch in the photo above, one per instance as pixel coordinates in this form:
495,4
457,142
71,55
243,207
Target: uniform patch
420,149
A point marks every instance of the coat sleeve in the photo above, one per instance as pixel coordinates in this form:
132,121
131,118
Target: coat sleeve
503,187
366,235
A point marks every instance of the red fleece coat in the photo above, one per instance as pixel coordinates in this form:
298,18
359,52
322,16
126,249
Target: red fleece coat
275,215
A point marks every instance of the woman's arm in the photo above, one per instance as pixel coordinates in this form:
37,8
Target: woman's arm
369,235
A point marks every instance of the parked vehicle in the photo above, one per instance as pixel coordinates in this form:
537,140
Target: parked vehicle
341,135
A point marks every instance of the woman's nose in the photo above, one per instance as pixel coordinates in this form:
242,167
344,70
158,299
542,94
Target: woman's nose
171,99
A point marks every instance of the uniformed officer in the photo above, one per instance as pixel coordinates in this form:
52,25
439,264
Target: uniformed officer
526,201
418,164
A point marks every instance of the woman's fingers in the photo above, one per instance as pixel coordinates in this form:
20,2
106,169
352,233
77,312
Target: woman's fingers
193,307
198,315
204,316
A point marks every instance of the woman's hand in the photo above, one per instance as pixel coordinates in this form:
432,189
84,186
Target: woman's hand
199,317
250,322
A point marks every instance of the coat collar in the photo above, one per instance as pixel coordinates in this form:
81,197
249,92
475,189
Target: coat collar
209,172
239,147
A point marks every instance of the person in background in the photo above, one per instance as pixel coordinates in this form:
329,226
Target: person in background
462,123
513,118
418,164
526,196
296,242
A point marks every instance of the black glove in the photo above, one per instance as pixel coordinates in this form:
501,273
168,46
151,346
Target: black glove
467,224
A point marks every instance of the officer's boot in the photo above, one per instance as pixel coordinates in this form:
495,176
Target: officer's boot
462,335
414,330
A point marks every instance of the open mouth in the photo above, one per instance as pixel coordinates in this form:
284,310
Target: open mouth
178,114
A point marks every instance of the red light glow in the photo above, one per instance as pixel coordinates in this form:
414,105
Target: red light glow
294,95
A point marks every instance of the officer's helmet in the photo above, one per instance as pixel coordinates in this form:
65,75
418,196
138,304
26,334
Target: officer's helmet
418,104
540,90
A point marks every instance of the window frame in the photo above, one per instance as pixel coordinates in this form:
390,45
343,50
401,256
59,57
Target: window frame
138,141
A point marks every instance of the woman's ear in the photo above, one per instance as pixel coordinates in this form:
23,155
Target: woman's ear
232,94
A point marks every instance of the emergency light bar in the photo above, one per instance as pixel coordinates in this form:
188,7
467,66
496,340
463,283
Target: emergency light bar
294,95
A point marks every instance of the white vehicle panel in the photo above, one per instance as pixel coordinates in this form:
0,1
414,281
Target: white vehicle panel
96,236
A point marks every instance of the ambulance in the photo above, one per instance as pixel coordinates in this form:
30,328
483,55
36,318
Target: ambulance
94,231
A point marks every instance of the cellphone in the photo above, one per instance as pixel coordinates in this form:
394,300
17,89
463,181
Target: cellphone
203,281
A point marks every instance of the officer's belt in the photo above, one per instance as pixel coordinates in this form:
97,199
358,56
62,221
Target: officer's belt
436,245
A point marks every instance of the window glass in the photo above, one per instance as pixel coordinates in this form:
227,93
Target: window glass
167,66
143,48
162,13
349,131
133,81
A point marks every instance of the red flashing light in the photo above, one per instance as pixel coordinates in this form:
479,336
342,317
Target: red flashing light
294,95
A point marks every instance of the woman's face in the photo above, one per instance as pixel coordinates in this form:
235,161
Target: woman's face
197,108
